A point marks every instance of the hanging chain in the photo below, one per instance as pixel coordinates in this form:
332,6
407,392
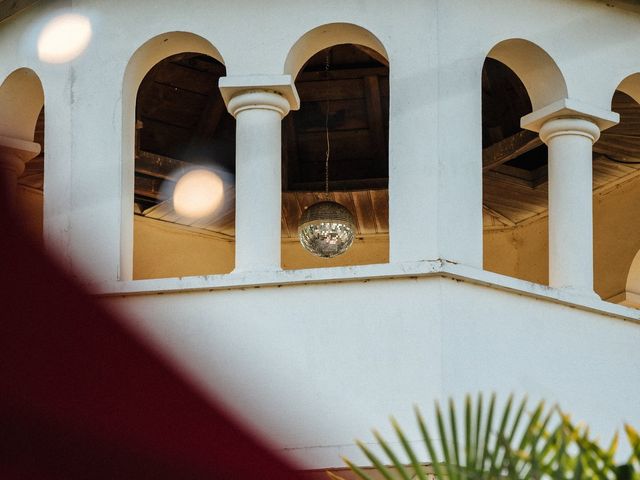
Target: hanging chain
326,129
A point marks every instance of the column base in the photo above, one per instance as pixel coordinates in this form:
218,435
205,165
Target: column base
580,292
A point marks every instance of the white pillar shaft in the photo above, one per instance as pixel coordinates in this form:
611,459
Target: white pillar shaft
570,213
570,144
258,179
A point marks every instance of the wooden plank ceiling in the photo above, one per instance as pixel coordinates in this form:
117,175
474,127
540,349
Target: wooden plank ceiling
351,96
182,122
9,8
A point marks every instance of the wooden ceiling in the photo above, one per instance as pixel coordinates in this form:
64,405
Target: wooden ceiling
9,8
182,122
350,85
515,160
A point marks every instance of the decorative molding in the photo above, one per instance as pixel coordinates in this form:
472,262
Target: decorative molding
364,273
283,85
569,108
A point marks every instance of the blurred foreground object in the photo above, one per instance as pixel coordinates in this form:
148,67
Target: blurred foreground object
80,397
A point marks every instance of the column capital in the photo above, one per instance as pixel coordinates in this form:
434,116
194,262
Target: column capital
14,153
273,92
568,108
258,99
569,126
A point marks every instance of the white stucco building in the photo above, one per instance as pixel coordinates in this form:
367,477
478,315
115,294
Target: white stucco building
490,273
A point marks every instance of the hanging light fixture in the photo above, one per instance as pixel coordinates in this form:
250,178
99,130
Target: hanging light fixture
326,229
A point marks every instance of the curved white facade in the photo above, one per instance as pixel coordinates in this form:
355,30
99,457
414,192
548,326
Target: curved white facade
315,358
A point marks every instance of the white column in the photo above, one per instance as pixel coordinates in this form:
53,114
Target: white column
258,103
570,142
570,128
258,116
14,153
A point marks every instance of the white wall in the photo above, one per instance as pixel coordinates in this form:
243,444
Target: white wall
315,366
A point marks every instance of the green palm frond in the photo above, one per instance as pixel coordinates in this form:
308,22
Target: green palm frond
515,443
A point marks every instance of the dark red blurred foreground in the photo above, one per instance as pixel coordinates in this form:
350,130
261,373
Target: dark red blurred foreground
82,398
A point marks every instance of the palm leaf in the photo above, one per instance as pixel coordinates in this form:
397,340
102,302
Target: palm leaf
477,449
392,456
384,471
452,473
408,450
454,432
478,454
495,468
431,451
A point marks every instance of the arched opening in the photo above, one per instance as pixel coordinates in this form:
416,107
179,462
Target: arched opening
616,201
184,202
514,180
518,77
22,138
152,52
326,36
344,93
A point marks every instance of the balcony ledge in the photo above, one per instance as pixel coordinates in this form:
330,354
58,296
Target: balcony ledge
364,273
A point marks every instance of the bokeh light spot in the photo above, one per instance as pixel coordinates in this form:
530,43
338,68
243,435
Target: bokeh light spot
64,38
198,193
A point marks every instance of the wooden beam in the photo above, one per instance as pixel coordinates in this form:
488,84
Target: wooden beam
509,148
341,185
337,89
501,218
507,178
540,176
145,88
9,8
617,148
159,166
209,119
149,187
376,121
290,164
373,54
520,176
623,159
512,171
317,140
342,74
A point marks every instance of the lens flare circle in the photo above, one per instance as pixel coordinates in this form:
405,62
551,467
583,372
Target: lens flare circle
198,193
64,38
